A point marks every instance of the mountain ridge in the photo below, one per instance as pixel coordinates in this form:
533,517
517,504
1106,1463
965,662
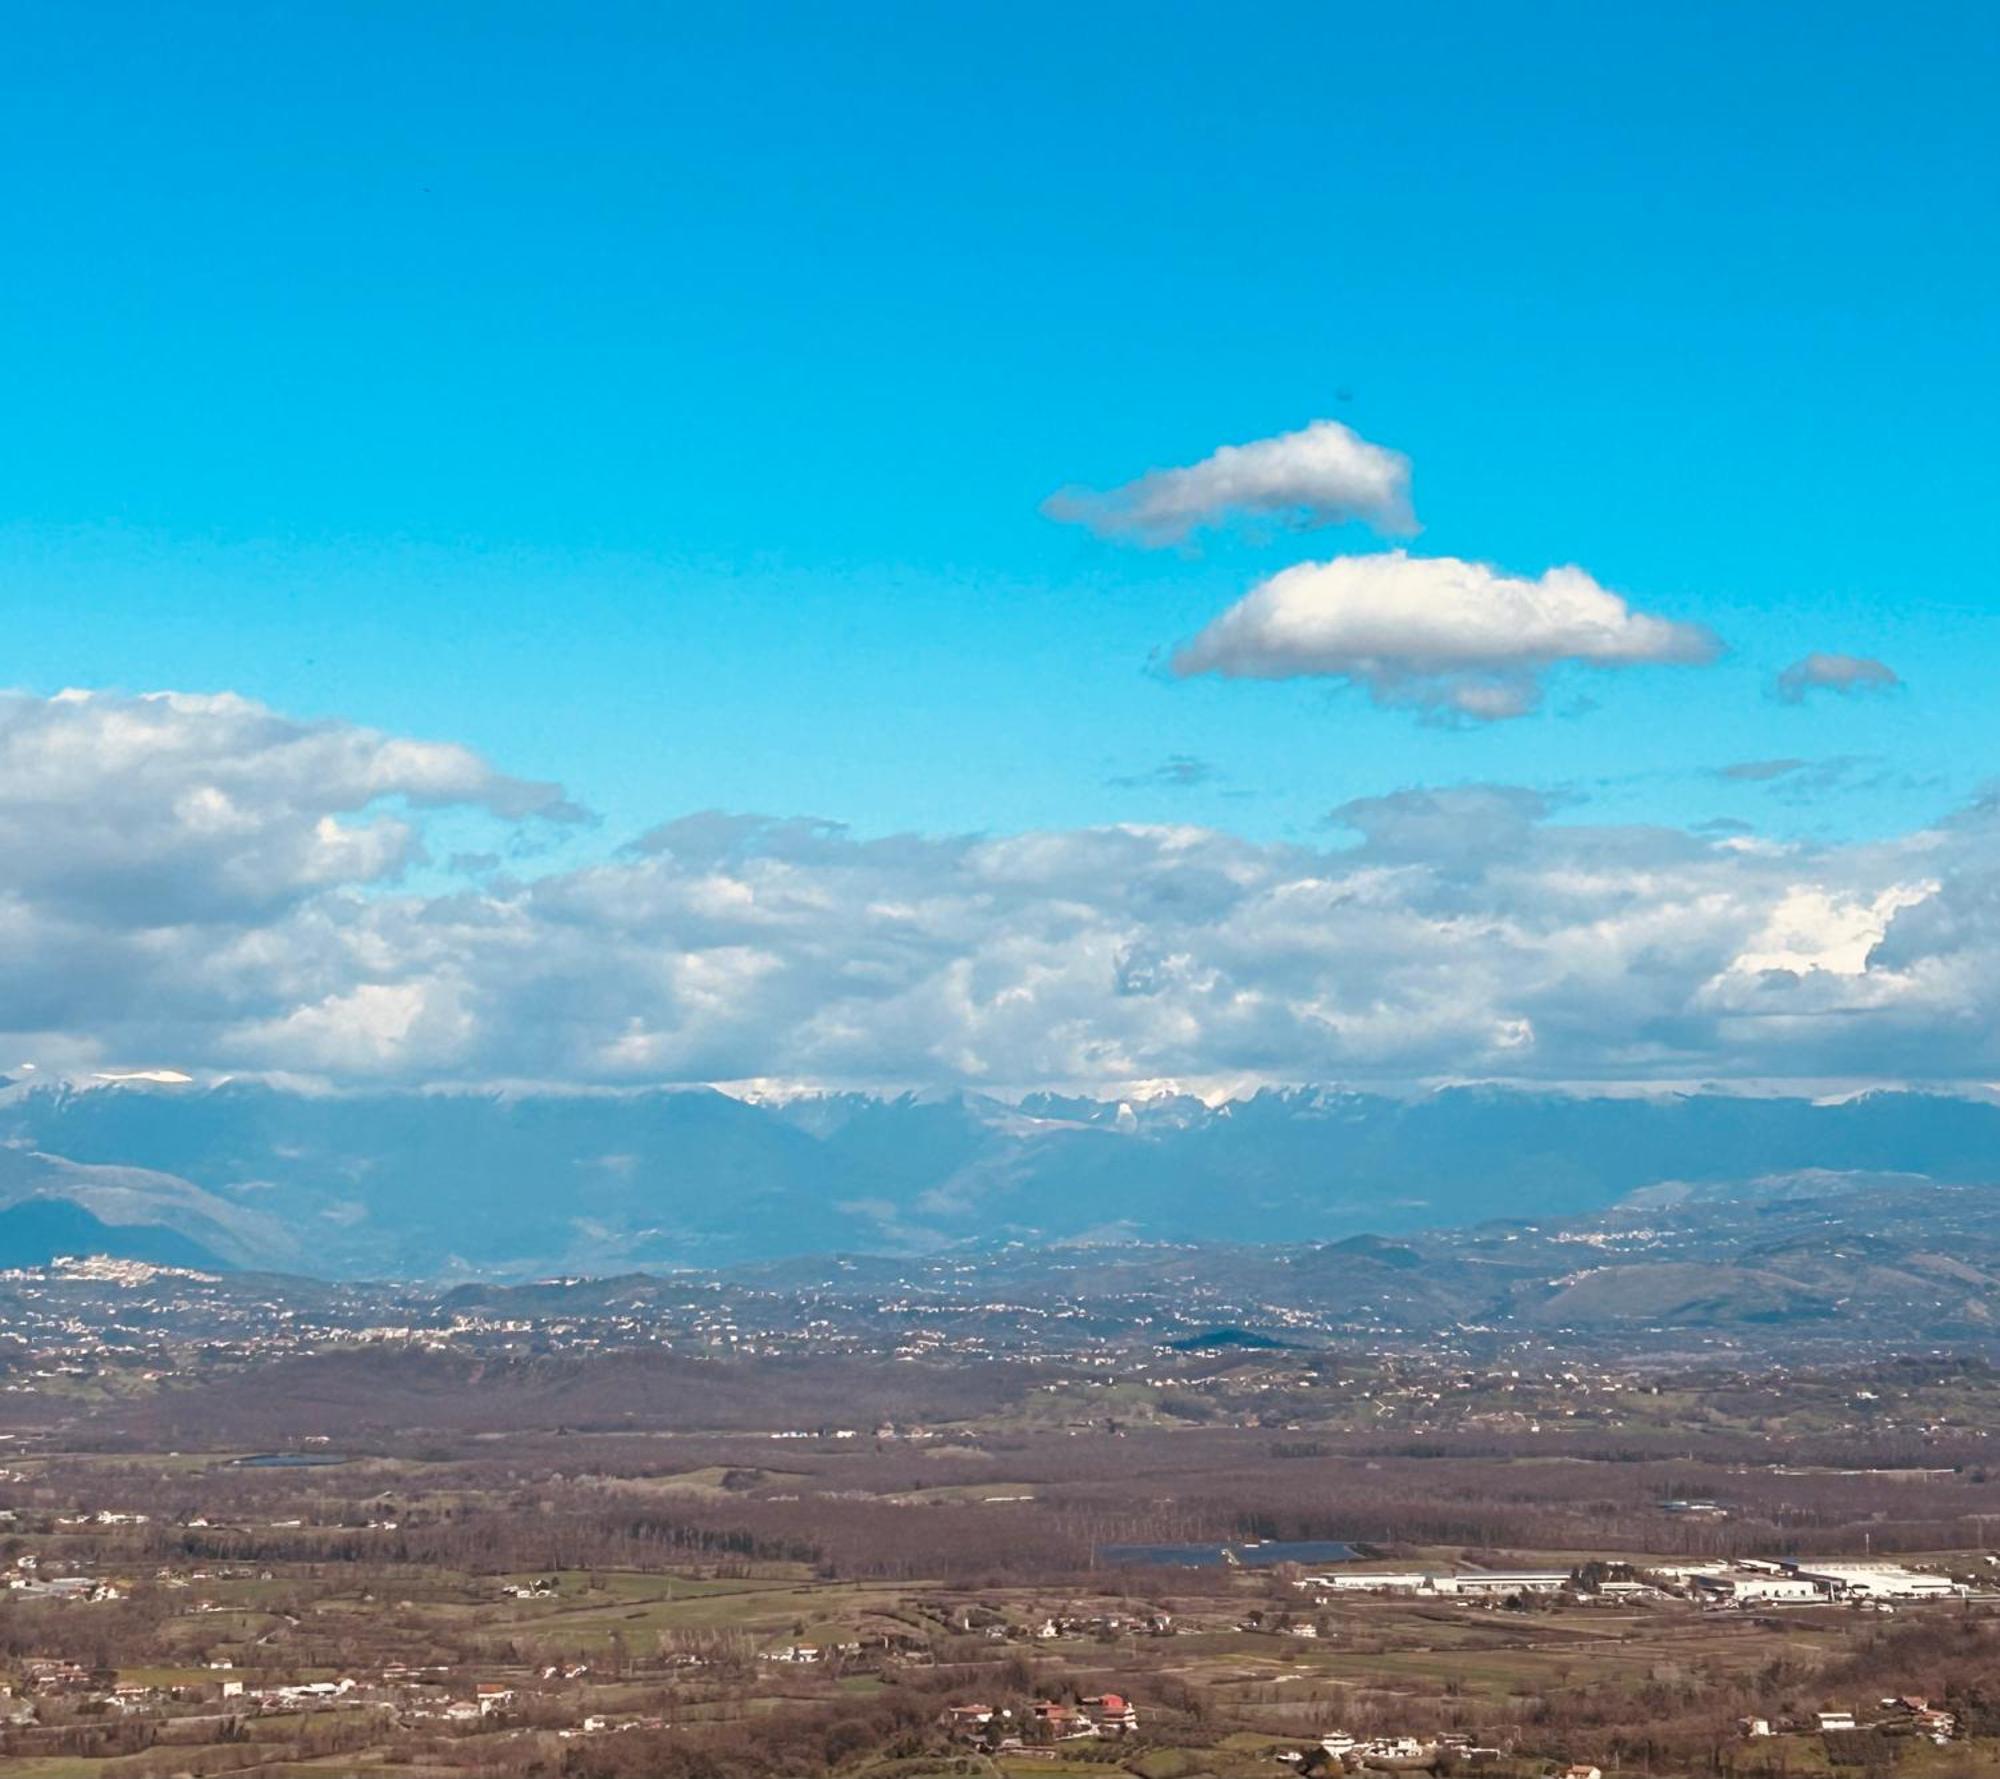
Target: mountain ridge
472,1184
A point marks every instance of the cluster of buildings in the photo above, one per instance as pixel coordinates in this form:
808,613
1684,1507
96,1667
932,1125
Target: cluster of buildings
1747,1582
1800,1583
1395,1752
489,1699
997,1627
1104,1624
300,1695
52,1674
86,1589
1477,1584
28,1579
1049,1720
1906,1714
876,1644
416,1693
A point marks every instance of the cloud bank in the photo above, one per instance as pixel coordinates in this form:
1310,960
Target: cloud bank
1324,474
203,884
1433,631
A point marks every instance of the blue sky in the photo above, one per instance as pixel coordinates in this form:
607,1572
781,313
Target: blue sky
660,399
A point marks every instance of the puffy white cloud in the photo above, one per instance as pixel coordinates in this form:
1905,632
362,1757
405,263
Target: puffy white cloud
169,859
1323,474
1846,674
172,807
1434,631
1474,930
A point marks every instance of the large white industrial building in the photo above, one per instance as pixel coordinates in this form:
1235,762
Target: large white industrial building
1463,1583
1759,1587
1874,1581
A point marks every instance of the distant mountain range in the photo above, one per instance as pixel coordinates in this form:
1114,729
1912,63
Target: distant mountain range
458,1184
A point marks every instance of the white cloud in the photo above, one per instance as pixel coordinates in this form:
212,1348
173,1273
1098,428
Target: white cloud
370,1029
1433,631
1812,928
1462,931
1846,674
173,807
1324,474
171,860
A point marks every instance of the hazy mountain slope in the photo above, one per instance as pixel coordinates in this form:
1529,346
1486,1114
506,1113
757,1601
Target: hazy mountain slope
445,1184
39,1230
179,1215
429,1183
